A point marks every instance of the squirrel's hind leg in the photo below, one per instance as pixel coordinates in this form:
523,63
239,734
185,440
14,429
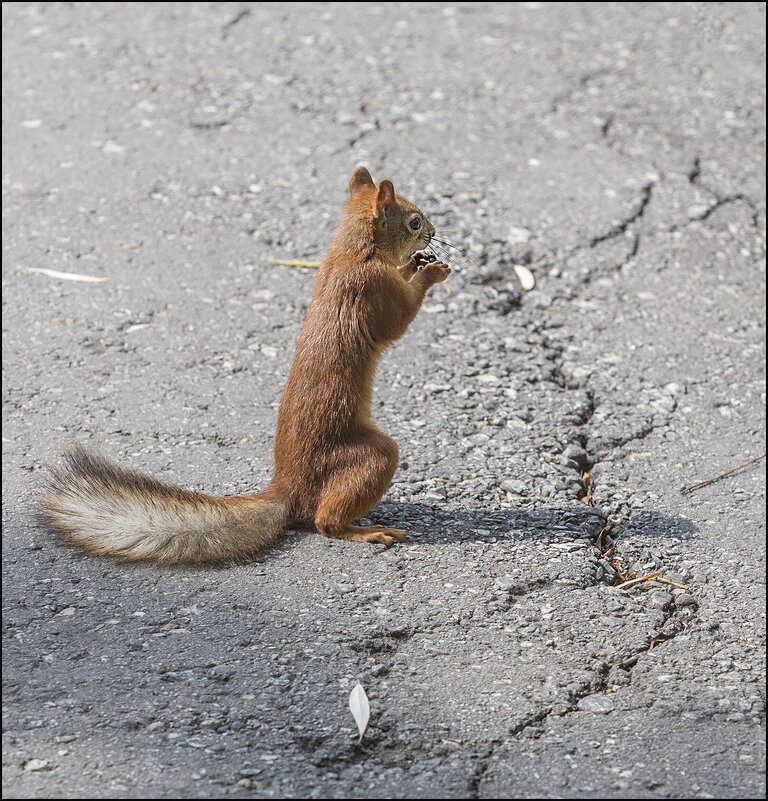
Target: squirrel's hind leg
386,536
356,488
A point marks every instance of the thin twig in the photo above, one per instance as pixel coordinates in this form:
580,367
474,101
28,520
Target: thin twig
291,263
667,581
692,487
638,580
91,279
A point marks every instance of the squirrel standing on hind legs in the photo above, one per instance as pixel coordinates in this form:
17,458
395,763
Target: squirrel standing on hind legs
332,465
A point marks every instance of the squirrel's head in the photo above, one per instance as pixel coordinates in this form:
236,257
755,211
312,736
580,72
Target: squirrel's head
399,228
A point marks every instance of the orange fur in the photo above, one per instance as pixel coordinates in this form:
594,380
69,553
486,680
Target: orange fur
332,465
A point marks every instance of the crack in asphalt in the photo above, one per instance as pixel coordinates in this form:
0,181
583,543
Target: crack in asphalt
482,768
658,636
582,82
239,17
719,203
682,619
621,227
694,173
534,725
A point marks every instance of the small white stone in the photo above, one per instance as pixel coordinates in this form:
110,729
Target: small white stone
113,147
519,236
525,276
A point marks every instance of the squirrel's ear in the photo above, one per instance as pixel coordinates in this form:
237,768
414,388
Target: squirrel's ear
385,199
360,178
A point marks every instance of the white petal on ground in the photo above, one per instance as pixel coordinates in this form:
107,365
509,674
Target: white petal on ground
358,706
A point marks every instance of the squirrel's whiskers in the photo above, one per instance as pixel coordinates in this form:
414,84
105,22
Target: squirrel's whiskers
444,246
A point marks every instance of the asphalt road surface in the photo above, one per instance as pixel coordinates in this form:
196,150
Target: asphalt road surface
617,151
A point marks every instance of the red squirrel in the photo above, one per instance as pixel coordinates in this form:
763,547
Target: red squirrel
332,465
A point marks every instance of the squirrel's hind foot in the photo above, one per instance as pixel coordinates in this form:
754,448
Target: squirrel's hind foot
387,536
372,534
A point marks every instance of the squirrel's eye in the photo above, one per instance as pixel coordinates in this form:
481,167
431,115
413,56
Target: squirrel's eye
415,223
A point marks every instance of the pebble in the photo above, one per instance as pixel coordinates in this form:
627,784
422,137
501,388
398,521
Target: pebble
510,584
596,703
566,462
685,599
657,599
577,454
514,485
223,672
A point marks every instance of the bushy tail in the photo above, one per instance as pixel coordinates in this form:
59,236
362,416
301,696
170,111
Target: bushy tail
109,510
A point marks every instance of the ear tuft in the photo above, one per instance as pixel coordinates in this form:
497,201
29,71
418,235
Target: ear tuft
385,199
360,179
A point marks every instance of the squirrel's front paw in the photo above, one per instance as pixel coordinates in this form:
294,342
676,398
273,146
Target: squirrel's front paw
417,262
435,272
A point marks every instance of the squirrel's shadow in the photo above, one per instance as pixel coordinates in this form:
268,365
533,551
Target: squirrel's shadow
433,525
